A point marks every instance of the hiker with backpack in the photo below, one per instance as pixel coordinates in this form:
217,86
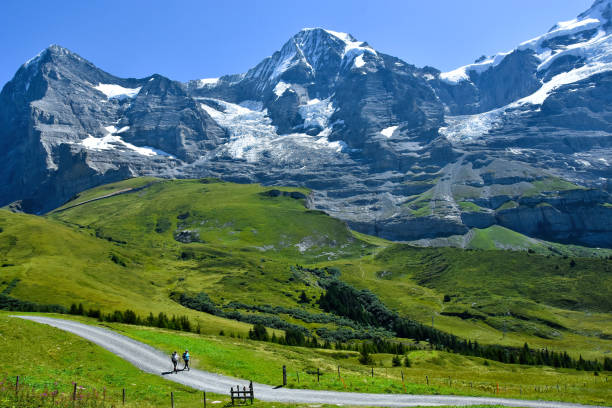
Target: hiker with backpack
186,360
175,359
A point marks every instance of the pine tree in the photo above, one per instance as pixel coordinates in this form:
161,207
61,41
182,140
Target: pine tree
365,358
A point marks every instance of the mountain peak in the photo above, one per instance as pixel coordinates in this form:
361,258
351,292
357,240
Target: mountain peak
347,40
344,37
52,51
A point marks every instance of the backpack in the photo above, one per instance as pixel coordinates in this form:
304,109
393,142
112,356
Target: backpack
174,357
186,356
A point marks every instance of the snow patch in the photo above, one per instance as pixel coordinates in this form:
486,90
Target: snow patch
564,78
207,82
280,88
359,62
515,150
469,127
562,28
350,43
388,131
316,112
462,73
583,162
113,91
113,141
337,145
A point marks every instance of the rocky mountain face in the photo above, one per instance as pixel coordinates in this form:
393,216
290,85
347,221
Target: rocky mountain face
520,139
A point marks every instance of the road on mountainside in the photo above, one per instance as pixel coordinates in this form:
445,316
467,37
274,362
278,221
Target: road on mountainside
114,193
155,362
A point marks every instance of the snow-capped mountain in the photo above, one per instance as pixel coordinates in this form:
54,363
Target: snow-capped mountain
520,139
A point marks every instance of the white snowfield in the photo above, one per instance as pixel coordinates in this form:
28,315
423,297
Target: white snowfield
113,91
252,133
596,51
155,362
388,131
112,140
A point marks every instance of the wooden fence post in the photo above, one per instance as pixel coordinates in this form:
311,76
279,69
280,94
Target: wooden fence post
297,373
17,385
318,374
251,389
402,371
172,398
284,376
204,399
123,396
427,379
338,372
74,389
232,394
372,372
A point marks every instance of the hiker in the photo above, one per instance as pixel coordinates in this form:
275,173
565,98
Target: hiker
186,360
175,359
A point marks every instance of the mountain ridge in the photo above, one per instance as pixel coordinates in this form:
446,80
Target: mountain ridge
402,152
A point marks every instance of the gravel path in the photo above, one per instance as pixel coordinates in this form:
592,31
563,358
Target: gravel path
155,362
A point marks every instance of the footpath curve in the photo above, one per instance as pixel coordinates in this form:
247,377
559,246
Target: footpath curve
153,361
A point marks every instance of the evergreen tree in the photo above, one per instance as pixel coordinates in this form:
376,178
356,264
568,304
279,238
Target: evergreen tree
365,358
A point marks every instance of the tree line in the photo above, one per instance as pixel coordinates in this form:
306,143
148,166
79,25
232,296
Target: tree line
365,307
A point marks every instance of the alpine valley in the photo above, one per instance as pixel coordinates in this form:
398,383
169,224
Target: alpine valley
520,140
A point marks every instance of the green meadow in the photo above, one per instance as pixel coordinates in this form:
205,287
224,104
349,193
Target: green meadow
252,244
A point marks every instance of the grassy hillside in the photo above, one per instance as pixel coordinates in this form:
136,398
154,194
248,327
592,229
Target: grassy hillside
248,244
482,294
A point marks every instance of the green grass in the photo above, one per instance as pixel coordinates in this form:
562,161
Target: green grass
419,205
551,184
508,205
552,304
262,362
56,359
469,206
121,252
498,237
108,189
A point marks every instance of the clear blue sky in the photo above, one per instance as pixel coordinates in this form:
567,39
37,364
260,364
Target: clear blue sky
200,38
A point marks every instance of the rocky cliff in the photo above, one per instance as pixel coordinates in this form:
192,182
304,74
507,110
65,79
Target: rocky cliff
520,139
